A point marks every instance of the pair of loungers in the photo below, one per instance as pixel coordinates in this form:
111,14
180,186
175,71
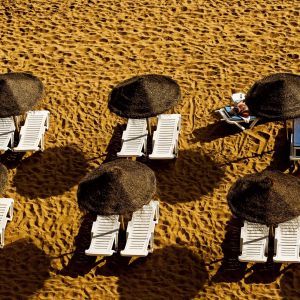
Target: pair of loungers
139,233
255,240
235,119
6,214
31,133
165,138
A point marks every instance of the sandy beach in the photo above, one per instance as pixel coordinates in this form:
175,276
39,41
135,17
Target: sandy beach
81,49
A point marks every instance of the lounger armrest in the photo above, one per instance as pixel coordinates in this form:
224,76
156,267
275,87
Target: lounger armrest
124,135
266,245
128,230
48,120
154,138
22,130
155,205
3,223
94,228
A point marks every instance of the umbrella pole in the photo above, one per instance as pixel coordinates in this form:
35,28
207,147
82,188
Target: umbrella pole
149,126
16,121
122,222
286,130
272,232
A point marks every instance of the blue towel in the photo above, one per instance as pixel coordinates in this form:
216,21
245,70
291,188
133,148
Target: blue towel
235,117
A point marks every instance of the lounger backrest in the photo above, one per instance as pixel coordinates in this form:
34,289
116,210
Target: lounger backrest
34,127
134,138
104,236
166,133
103,231
5,204
141,227
254,241
7,128
135,132
287,240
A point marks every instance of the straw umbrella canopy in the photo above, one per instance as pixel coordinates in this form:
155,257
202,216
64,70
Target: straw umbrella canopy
3,178
144,96
19,92
269,197
117,187
275,97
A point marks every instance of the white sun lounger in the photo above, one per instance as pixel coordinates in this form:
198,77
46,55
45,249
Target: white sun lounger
140,231
254,242
165,138
295,140
287,242
236,120
134,139
6,214
7,130
104,236
32,132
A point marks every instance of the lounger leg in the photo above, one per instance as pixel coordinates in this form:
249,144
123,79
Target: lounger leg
116,241
239,126
179,125
2,238
12,141
156,215
149,126
176,148
47,121
151,243
10,212
42,143
145,146
254,123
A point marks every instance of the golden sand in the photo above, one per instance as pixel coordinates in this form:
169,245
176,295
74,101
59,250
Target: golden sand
80,50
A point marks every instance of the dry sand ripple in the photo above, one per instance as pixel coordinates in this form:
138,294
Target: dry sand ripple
81,49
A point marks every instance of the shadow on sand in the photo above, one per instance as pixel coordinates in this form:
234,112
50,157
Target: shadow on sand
172,272
193,173
231,270
50,173
290,281
81,264
115,143
280,159
214,131
23,271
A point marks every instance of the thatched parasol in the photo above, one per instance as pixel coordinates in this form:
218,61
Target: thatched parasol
269,197
144,96
117,187
19,92
275,97
3,178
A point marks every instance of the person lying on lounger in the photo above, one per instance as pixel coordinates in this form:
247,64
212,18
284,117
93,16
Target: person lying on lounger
240,109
